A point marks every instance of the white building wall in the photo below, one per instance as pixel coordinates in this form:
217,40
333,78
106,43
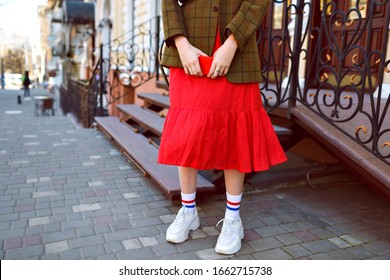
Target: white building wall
141,11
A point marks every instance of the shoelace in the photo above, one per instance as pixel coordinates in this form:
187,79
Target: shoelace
181,218
219,222
227,226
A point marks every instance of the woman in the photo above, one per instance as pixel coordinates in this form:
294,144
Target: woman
216,119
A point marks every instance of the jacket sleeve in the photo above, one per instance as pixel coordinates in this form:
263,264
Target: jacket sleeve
172,21
247,20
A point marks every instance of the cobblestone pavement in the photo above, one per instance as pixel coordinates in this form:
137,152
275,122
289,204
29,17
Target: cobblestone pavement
68,193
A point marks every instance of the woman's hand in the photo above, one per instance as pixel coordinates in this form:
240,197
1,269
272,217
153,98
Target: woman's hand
223,57
189,56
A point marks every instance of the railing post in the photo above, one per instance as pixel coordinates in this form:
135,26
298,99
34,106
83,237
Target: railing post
299,8
101,91
157,63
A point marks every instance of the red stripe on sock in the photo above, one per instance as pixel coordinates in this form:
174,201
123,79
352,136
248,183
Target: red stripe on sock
233,203
188,201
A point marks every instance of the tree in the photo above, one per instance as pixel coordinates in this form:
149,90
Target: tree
14,61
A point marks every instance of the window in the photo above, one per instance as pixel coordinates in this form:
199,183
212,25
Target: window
277,17
323,4
362,7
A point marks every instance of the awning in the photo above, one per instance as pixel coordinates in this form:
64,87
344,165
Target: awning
79,13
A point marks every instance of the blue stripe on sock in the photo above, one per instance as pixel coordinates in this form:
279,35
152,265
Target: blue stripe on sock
189,206
232,209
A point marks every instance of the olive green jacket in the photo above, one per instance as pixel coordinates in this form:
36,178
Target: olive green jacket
198,19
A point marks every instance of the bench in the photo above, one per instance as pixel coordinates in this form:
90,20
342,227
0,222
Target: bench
44,104
144,155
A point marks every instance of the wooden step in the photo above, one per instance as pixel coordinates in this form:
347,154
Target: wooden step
155,99
145,118
144,155
365,164
284,134
162,84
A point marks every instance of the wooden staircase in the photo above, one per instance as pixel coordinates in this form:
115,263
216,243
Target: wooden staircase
138,136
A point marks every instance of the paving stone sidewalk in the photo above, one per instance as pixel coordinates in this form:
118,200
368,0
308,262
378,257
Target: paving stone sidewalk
68,193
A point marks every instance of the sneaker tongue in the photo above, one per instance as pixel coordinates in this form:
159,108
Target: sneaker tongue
182,215
228,226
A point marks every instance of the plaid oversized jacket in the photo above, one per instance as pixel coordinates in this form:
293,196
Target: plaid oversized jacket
197,20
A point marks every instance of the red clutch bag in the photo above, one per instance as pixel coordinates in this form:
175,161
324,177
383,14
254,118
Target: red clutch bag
205,63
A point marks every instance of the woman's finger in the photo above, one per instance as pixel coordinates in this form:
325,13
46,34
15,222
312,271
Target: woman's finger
225,71
193,70
198,69
216,72
190,71
212,70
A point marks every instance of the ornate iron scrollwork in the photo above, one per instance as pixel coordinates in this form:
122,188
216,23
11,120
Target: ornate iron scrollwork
358,98
343,80
131,62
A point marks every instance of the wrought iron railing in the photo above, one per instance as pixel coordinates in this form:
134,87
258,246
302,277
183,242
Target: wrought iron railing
132,61
331,58
95,93
75,99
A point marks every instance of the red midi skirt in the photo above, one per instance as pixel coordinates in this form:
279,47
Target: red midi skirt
215,124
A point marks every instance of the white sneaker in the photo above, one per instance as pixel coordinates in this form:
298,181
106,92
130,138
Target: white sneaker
229,241
185,221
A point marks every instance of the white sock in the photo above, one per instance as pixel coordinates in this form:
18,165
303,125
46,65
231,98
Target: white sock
233,206
188,201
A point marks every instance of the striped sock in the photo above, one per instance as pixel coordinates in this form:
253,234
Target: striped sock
188,201
233,206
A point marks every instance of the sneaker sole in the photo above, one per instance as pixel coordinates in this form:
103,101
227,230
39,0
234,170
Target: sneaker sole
173,239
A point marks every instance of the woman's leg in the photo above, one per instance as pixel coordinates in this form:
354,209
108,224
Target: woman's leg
187,219
234,181
187,176
229,241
